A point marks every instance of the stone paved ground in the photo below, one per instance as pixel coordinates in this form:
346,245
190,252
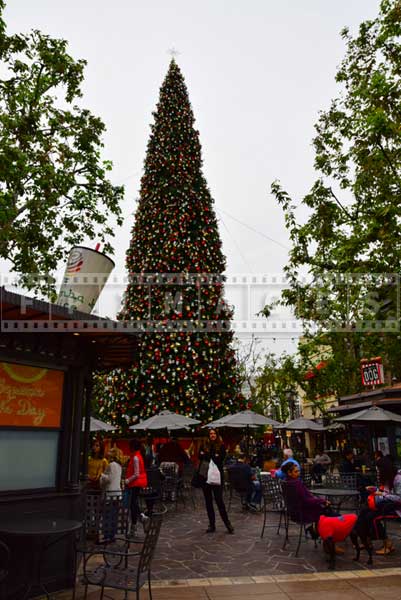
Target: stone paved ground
383,584
185,551
191,565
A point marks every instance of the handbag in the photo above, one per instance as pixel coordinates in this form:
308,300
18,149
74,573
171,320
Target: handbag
213,474
203,469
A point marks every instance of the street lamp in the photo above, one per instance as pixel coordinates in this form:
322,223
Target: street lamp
291,397
273,409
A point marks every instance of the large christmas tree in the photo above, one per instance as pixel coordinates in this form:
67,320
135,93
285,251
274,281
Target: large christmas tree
185,362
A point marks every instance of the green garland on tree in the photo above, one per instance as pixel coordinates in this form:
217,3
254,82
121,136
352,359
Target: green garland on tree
185,360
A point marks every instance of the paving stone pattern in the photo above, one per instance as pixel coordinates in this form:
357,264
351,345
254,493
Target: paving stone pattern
185,551
190,564
384,584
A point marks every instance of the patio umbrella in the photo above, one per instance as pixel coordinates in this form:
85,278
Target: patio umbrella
302,424
165,420
97,425
373,414
245,418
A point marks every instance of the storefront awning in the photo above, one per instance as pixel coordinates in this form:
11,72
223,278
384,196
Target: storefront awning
110,344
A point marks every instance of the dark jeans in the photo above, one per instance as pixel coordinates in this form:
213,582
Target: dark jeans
110,517
217,491
134,491
254,495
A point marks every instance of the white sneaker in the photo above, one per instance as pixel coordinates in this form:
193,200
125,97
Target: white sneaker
143,518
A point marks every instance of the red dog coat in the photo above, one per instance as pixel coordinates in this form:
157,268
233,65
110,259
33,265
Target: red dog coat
336,527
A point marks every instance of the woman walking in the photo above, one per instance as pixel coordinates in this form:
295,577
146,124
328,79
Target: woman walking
213,450
135,479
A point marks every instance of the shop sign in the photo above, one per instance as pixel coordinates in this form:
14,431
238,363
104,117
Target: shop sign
30,396
372,371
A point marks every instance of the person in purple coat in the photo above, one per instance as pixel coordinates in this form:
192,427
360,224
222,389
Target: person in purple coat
302,504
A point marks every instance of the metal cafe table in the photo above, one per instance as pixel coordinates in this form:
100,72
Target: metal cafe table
39,534
336,496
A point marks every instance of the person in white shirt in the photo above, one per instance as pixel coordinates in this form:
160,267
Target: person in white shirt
110,480
110,484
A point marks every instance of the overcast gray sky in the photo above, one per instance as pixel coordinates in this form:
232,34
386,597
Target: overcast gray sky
258,72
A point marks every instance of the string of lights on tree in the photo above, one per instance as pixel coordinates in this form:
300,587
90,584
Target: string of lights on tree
175,232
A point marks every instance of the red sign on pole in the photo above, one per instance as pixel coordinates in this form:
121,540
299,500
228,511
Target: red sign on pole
372,371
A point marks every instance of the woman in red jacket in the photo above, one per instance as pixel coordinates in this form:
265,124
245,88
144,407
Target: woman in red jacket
135,480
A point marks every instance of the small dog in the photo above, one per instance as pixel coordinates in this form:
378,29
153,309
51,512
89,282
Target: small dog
334,529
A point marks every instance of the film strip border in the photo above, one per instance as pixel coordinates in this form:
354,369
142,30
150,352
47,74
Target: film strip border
148,326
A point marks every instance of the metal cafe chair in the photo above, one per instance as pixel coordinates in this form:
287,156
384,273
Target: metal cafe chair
106,516
273,500
151,496
307,479
105,528
123,574
171,482
349,481
293,513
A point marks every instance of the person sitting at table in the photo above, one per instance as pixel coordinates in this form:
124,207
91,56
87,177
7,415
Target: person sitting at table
382,503
97,464
385,470
288,459
302,504
254,496
321,462
347,466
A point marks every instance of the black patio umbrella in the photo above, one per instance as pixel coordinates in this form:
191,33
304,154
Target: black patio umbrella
301,424
373,414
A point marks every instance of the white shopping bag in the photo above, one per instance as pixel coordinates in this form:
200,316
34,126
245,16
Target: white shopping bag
213,475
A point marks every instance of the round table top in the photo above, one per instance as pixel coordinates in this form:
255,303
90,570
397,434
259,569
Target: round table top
37,525
334,492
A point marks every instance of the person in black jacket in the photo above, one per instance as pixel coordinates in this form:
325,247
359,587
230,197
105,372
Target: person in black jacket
213,450
347,466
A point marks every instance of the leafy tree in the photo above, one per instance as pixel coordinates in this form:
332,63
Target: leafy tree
277,384
54,192
350,247
185,362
